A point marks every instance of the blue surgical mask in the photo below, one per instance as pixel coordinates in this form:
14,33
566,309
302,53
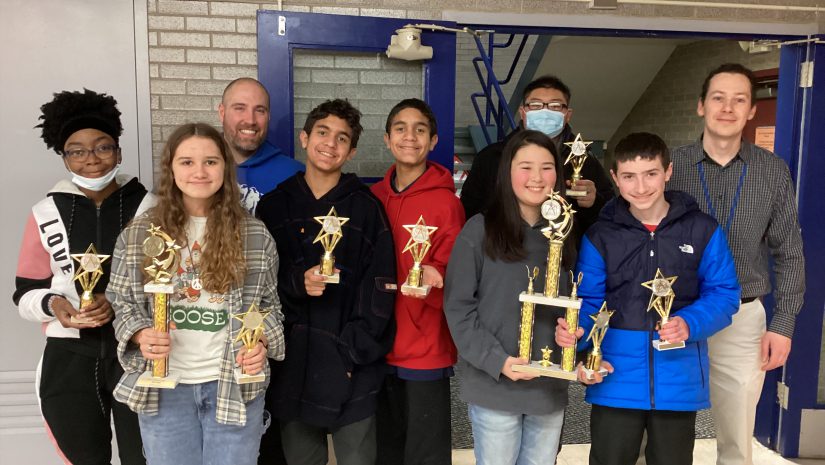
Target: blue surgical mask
549,122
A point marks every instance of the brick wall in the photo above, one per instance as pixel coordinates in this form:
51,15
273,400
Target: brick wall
668,106
197,47
371,81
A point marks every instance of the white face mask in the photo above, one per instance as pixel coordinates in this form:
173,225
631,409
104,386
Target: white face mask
95,184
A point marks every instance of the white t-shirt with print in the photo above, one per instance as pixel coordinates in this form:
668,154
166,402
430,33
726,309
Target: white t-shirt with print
201,317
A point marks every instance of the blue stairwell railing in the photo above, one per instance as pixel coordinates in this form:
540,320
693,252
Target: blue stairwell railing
494,113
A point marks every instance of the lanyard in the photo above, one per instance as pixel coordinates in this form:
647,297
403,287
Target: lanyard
733,204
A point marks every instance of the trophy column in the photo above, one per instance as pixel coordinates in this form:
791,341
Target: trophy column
559,214
163,253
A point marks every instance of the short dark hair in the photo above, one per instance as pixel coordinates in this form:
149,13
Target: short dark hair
340,108
546,82
644,145
733,68
417,104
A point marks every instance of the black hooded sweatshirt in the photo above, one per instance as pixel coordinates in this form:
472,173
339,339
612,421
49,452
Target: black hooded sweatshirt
335,343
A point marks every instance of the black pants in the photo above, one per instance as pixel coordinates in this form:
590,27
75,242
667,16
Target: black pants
616,435
413,422
77,403
272,449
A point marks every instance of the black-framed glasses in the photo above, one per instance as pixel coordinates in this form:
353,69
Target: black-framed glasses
553,106
103,152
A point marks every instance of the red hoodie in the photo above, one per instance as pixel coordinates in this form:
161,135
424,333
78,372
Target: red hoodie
423,339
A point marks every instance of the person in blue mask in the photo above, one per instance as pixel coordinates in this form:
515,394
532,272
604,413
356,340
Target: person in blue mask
545,108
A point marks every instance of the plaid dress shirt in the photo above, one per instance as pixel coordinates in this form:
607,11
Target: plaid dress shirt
133,312
763,221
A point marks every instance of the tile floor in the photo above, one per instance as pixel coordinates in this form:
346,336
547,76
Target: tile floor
704,453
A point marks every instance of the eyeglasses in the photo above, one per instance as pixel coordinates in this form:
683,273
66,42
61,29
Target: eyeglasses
103,152
553,106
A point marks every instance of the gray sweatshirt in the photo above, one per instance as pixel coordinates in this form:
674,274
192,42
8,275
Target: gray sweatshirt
483,312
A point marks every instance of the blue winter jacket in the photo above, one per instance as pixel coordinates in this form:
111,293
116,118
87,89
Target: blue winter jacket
618,254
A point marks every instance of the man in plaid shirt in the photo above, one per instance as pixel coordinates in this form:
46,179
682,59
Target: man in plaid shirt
750,193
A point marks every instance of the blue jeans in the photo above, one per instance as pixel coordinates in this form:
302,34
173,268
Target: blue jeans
185,432
505,438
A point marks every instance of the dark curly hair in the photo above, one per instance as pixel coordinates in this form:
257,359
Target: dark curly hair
70,111
340,108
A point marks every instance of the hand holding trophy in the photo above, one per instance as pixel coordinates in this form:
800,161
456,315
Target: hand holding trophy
418,245
597,333
162,252
88,274
329,236
252,328
576,159
661,300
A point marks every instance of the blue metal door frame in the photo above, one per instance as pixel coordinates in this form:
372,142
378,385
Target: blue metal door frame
350,34
800,141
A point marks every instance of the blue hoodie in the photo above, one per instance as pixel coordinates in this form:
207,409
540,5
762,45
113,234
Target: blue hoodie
618,254
262,172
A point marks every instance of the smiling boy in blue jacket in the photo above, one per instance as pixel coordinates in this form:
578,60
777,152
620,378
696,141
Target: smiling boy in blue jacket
644,230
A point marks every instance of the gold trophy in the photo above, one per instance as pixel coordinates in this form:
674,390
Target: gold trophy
88,274
576,158
252,327
558,212
162,252
661,300
329,236
418,245
597,332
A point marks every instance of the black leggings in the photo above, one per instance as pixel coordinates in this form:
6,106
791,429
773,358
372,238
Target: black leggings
77,404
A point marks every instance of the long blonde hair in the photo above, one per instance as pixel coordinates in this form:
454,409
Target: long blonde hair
222,264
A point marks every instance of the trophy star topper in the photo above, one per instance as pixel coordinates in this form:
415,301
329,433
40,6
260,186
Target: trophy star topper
330,232
578,148
661,287
89,261
252,321
419,234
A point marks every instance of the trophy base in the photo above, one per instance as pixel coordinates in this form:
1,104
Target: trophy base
552,371
589,372
416,290
660,345
80,321
560,301
243,378
575,193
158,288
170,381
329,279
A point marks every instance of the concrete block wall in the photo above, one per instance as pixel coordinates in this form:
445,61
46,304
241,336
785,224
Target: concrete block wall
668,106
196,46
371,81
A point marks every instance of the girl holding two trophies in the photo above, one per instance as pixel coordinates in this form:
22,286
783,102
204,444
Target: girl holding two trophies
209,417
515,419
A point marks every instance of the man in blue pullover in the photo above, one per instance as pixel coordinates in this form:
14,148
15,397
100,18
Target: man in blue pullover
244,114
639,233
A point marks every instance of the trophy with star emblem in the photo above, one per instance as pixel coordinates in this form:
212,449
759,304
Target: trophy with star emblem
661,300
559,214
88,273
418,245
162,254
597,332
576,159
250,332
329,236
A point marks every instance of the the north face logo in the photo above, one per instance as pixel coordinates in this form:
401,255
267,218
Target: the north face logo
686,248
